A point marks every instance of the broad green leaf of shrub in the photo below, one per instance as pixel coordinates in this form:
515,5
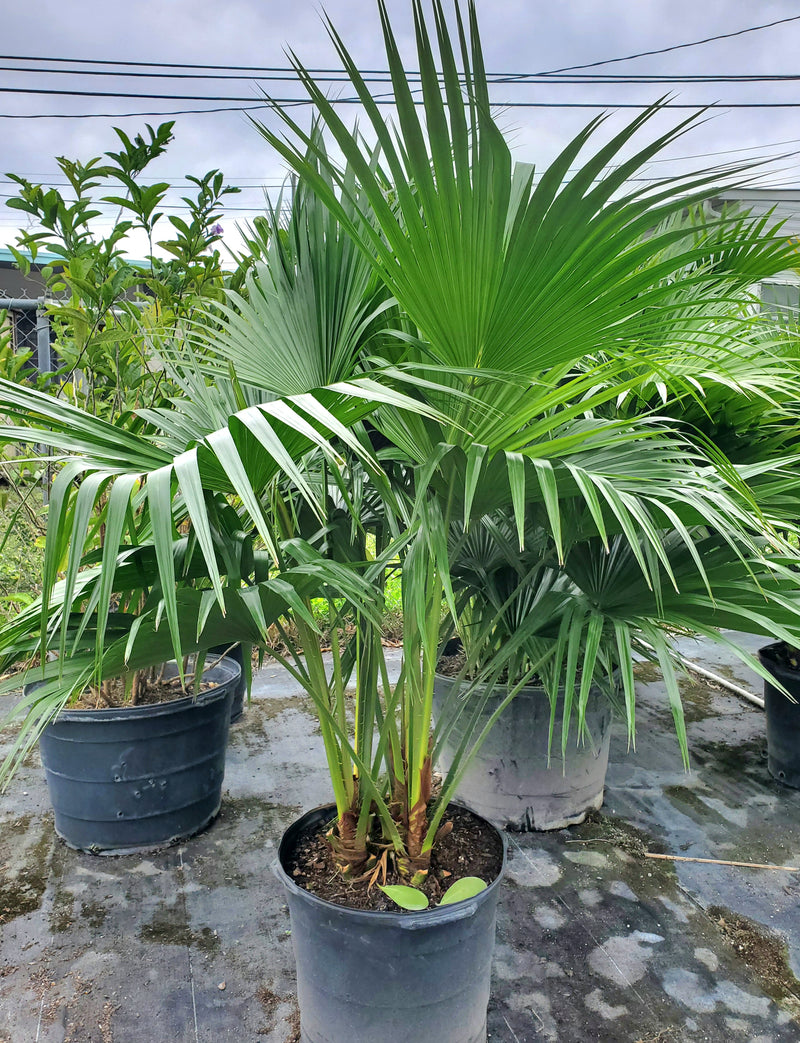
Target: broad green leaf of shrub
405,897
466,887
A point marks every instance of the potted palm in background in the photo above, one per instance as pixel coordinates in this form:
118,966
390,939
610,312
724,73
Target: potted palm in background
485,401
102,618
145,764
782,662
719,369
743,399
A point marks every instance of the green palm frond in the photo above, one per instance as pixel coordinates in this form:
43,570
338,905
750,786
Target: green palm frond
506,375
587,619
534,276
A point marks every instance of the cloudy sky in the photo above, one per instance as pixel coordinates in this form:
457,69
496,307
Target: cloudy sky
519,36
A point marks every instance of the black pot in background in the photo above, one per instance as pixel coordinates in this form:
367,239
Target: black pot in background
365,976
509,781
237,655
783,717
139,777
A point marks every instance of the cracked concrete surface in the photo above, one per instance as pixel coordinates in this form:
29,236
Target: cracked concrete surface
595,941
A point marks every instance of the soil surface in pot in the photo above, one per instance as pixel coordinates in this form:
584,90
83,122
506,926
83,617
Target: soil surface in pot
112,694
471,848
453,665
783,654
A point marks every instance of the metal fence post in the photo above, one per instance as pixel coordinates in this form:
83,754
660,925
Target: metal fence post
43,358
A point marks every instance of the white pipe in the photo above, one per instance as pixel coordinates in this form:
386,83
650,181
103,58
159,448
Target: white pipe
744,693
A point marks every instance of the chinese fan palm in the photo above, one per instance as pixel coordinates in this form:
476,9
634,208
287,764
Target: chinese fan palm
481,317
584,620
533,299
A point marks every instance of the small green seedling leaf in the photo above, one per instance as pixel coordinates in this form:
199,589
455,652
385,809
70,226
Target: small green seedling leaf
405,897
466,887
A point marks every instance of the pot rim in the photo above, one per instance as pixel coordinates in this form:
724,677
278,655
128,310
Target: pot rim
767,651
412,920
174,706
770,658
786,677
528,689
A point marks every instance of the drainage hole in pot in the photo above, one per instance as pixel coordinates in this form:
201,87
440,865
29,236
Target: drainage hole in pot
119,814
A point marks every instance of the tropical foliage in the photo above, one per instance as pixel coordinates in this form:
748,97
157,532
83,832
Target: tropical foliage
100,298
438,351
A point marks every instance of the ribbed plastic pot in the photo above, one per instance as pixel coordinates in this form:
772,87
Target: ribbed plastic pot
366,976
509,781
237,700
139,777
783,718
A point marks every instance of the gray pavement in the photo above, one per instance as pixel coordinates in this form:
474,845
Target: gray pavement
595,941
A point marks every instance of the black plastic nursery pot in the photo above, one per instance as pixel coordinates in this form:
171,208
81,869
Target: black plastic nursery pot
236,653
364,976
509,781
783,717
139,777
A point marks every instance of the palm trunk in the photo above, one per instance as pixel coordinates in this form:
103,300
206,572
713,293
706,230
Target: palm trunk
349,849
416,862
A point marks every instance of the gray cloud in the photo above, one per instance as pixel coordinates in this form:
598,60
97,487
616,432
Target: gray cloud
518,35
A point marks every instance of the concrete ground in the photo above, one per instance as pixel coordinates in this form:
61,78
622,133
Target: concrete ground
595,941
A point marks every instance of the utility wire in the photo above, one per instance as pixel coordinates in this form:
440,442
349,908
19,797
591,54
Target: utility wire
276,185
147,97
315,72
176,179
511,78
127,115
379,100
170,65
774,184
789,184
673,47
223,208
523,79
296,101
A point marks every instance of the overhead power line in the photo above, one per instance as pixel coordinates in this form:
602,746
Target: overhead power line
165,65
224,207
6,216
180,181
147,97
127,63
126,115
674,47
507,78
287,75
378,100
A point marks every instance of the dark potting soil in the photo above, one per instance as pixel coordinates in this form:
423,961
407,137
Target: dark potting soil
453,665
784,655
471,848
112,694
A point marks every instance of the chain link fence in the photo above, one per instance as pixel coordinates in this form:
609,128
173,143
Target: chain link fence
30,333
30,330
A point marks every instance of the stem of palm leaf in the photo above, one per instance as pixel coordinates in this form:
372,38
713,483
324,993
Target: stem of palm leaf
378,757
